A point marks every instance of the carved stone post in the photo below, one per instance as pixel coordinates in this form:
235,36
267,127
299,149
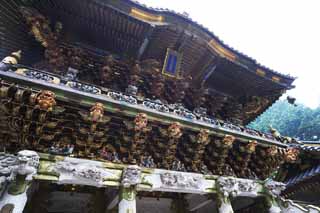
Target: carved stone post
19,171
13,203
130,178
224,204
226,189
273,206
272,192
127,202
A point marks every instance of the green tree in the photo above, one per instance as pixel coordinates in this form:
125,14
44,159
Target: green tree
294,121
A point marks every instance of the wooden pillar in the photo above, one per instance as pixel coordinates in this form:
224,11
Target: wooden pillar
127,202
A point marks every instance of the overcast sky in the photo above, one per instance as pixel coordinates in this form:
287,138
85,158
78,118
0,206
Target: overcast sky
281,34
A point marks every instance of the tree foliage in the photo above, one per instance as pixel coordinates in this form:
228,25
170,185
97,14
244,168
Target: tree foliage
295,121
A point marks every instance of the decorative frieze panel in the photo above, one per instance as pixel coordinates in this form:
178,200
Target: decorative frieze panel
232,187
165,180
79,171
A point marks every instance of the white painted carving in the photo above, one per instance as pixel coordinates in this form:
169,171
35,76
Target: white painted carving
225,207
275,188
131,176
78,171
180,180
234,187
28,162
274,209
127,206
288,206
25,163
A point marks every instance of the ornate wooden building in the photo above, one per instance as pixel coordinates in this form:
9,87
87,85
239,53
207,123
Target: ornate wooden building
111,106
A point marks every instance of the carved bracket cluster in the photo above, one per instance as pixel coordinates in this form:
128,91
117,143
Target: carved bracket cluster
18,169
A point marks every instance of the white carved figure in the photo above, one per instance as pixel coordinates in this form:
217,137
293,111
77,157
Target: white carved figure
27,164
81,172
7,163
131,176
225,207
234,187
180,180
274,187
274,209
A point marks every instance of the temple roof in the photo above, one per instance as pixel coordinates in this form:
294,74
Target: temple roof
131,30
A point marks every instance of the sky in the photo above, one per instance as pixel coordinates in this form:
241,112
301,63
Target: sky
283,35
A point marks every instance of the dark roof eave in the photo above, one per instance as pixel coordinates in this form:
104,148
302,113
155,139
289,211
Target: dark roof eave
161,11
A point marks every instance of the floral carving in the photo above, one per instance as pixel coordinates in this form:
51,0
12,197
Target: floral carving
46,100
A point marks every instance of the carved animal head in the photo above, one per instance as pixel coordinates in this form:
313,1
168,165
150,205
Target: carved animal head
228,140
251,146
174,130
203,136
96,112
13,58
272,151
291,155
31,158
46,100
140,122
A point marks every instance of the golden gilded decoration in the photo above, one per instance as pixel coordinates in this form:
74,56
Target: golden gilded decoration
174,130
214,45
260,72
140,122
291,155
272,151
176,72
13,58
275,79
228,140
251,146
140,14
46,100
203,136
96,112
